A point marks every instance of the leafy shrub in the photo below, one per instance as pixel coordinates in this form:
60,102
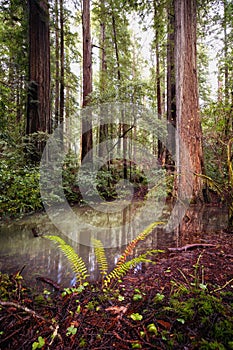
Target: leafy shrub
20,189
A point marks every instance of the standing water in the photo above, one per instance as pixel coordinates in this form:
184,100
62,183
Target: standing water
37,256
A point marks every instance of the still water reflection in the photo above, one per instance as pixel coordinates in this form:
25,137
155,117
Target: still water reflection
18,246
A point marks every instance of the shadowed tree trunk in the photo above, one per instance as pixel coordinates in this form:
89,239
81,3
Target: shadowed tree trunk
230,182
158,92
103,128
38,112
87,77
122,128
158,74
171,88
62,64
57,66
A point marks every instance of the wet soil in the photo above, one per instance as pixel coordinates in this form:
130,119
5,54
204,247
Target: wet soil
98,319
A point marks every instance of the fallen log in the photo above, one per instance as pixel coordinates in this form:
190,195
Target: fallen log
190,247
55,285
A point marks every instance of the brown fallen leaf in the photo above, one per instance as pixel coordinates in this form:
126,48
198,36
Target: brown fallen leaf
117,309
165,324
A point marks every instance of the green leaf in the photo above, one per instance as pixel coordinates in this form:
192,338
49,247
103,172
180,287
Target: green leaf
203,286
39,344
137,297
71,330
136,346
152,328
181,320
158,298
136,317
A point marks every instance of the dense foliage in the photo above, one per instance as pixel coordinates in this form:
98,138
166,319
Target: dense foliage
121,71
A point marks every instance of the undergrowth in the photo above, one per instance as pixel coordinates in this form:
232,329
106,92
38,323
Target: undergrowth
122,266
190,317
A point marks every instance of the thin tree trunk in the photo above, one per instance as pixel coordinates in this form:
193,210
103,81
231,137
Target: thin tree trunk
57,68
226,69
62,63
103,128
230,182
158,92
116,46
171,89
122,127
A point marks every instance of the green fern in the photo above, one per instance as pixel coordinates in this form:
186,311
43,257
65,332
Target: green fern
100,256
122,266
77,264
121,270
130,247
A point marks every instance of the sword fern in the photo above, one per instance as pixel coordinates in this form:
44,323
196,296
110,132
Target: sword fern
121,270
122,266
77,264
100,256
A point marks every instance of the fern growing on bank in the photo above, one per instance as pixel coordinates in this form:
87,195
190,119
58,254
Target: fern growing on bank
100,256
122,266
77,264
121,270
130,247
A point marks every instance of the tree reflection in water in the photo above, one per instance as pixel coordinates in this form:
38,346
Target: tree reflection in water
18,246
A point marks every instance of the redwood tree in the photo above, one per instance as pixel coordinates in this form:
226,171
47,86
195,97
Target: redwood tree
187,105
38,113
171,86
87,77
103,128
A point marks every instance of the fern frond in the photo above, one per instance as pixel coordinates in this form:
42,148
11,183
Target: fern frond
121,270
77,264
100,256
130,247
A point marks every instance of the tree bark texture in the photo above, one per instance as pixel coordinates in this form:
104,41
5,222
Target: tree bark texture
187,102
57,66
38,113
171,88
62,64
87,77
103,128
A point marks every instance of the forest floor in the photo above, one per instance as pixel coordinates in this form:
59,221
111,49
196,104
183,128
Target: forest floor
182,301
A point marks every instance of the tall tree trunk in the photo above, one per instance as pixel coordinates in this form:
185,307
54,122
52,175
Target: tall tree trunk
116,46
103,63
171,88
230,182
87,77
226,69
103,128
187,103
57,66
122,127
62,64
38,112
158,91
158,76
